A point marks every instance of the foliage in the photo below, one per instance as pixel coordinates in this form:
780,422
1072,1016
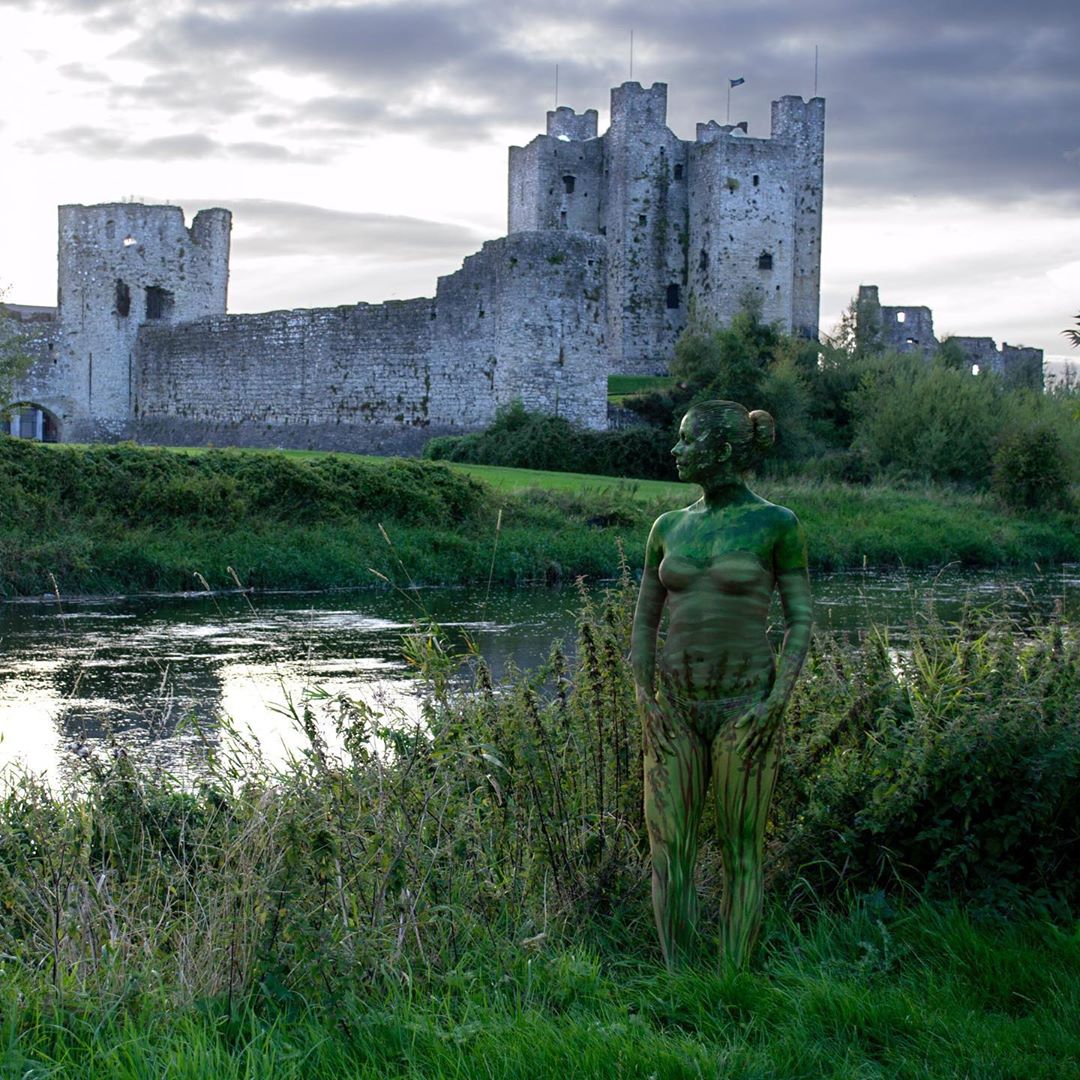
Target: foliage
147,486
951,768
14,359
924,422
524,440
1030,470
1073,335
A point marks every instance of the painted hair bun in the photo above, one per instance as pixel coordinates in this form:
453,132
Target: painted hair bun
763,430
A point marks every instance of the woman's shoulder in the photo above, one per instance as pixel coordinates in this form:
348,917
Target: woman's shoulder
780,517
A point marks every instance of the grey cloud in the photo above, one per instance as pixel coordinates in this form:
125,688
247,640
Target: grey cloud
102,143
267,227
935,97
81,73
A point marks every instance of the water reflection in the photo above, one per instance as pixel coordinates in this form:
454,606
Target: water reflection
159,672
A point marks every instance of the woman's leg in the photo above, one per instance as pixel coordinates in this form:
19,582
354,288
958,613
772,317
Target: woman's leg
743,794
676,777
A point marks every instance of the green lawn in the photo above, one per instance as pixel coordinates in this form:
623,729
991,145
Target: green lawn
621,387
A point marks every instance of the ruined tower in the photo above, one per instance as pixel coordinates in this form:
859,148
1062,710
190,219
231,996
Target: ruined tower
122,265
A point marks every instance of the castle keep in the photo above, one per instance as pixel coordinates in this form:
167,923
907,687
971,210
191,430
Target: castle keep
614,243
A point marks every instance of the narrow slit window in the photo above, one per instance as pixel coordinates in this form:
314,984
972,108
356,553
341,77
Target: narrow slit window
672,296
764,261
123,299
568,184
678,172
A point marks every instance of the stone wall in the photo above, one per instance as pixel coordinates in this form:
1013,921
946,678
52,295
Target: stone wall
692,229
910,328
523,318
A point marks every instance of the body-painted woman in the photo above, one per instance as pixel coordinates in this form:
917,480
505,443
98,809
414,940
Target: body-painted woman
712,700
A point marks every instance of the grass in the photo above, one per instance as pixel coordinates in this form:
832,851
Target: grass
620,387
119,519
928,994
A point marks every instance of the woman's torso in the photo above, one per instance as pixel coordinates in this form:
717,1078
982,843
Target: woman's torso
718,577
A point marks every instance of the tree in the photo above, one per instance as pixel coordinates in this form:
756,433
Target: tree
14,359
1073,335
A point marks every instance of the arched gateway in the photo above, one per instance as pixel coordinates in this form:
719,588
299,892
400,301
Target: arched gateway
28,420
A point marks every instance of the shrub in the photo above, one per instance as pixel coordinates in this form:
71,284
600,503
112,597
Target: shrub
523,440
951,769
1030,471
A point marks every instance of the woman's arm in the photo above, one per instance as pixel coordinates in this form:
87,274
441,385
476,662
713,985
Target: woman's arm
793,582
650,605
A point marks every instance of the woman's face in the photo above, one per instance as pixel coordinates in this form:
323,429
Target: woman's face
697,455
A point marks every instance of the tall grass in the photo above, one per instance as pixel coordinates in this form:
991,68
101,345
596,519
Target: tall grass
468,895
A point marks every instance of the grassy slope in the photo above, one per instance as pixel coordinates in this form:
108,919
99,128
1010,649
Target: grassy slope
553,525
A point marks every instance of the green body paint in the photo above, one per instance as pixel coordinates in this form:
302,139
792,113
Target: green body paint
712,698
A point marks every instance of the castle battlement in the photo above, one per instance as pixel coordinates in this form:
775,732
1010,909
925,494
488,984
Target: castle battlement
700,225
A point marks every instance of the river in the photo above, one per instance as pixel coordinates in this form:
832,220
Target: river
156,673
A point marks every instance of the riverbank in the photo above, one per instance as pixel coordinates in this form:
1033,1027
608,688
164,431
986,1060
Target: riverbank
474,900
109,519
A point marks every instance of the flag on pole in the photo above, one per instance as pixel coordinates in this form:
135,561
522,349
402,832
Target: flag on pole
736,82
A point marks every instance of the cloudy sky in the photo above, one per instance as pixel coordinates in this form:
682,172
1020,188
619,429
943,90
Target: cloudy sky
362,145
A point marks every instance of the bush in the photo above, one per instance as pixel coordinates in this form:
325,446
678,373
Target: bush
153,486
1030,471
952,769
927,422
523,440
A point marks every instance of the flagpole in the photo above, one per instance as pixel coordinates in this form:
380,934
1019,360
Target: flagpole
728,102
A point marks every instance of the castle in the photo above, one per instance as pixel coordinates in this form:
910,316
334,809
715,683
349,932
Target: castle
615,242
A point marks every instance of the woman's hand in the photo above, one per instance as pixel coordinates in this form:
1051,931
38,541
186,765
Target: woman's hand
756,729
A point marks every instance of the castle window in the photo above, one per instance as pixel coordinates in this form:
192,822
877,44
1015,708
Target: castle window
757,180
130,241
159,302
678,172
703,260
562,218
673,296
901,316
123,299
603,230
764,261
912,341
641,219
568,184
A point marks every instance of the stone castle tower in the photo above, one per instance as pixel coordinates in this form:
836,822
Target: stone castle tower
694,229
122,265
